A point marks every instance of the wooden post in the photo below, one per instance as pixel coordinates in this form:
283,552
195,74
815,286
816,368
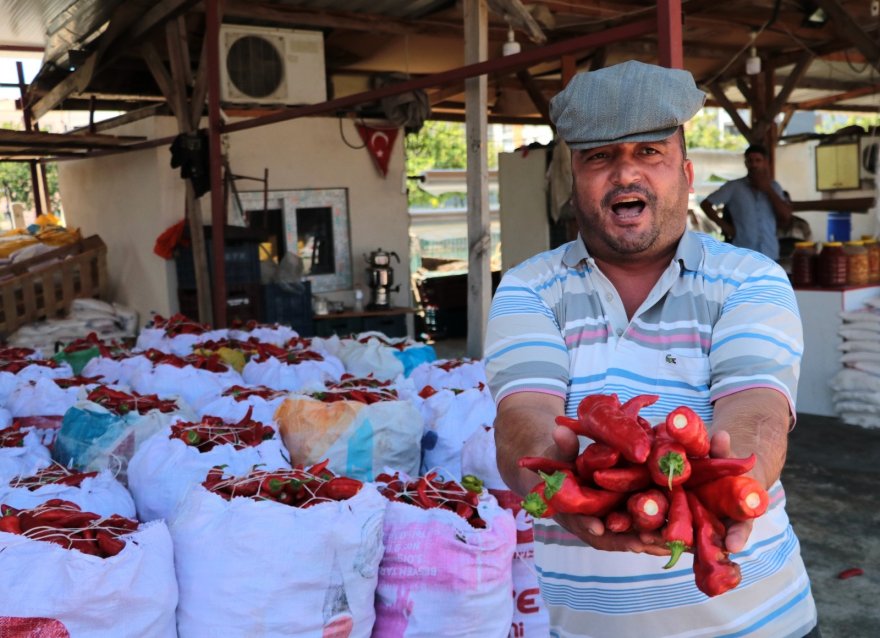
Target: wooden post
669,34
218,214
476,47
28,126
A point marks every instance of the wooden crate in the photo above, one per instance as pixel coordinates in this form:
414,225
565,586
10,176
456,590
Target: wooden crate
44,287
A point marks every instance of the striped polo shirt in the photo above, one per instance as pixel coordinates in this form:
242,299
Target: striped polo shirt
719,320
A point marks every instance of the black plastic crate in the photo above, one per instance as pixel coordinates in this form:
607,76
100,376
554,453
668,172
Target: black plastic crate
242,262
290,308
244,303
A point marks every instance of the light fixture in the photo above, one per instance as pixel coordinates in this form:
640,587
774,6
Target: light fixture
753,62
816,18
511,47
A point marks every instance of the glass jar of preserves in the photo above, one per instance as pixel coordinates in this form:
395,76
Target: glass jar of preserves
803,263
856,263
832,264
873,247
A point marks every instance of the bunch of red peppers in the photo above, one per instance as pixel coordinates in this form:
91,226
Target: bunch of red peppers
429,390
122,403
638,478
91,340
13,436
293,352
297,487
211,363
55,474
212,431
429,491
242,393
179,324
65,524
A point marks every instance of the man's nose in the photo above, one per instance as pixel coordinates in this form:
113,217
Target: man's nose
626,171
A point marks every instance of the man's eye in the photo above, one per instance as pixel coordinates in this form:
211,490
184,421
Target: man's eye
649,150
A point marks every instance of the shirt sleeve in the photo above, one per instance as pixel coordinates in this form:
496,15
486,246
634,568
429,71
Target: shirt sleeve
720,196
758,339
525,348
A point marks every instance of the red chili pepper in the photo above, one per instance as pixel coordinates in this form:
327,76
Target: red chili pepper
543,464
623,479
714,572
589,403
340,488
596,456
708,469
10,524
668,463
738,497
563,492
687,428
635,405
109,544
537,504
648,509
618,522
846,573
608,424
679,530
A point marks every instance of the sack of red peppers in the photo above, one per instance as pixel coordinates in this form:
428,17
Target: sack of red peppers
447,566
106,429
21,452
662,479
81,572
277,553
530,619
177,457
236,400
361,428
97,492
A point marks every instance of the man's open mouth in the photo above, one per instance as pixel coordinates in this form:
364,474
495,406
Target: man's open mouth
628,206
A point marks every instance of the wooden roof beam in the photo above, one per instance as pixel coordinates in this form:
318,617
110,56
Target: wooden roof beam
850,30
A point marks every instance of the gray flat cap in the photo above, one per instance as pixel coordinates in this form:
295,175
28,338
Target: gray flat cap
628,102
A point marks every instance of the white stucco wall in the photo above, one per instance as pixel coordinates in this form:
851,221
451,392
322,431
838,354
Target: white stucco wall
130,198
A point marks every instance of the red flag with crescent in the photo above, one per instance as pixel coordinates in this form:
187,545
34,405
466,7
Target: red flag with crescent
379,142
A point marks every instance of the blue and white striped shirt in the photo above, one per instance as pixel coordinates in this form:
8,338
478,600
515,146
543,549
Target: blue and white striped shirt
720,320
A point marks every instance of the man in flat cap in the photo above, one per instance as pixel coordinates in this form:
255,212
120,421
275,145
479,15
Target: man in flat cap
639,306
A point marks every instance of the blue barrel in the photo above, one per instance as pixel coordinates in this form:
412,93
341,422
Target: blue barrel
839,226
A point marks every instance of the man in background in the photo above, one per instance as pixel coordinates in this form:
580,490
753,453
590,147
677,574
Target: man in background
754,206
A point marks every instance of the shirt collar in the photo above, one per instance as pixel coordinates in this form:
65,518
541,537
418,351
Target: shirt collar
689,252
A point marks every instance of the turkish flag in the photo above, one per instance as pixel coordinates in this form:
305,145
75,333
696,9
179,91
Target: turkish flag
379,142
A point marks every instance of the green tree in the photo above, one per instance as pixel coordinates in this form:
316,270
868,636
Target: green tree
703,132
15,184
833,122
438,145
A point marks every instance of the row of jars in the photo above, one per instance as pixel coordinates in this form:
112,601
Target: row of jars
835,263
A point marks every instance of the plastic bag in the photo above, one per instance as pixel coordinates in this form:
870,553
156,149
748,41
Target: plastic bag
359,440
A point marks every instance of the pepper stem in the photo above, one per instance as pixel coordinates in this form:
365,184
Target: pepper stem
677,548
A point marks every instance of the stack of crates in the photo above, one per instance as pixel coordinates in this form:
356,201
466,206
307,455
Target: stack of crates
244,299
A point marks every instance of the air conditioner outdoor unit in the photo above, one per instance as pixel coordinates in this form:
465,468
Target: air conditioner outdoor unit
271,66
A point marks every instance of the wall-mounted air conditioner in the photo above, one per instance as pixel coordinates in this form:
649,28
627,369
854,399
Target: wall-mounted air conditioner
271,66
868,156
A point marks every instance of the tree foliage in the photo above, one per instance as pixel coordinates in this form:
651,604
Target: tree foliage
703,132
16,186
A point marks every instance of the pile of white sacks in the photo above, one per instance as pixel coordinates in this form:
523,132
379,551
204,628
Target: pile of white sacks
441,422
856,388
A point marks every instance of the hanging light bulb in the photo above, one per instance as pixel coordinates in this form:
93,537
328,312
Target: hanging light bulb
753,62
511,47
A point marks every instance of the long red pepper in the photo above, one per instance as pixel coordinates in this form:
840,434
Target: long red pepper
635,405
710,468
604,421
543,464
648,509
536,504
623,479
668,463
679,530
687,428
618,521
738,497
714,572
596,456
564,493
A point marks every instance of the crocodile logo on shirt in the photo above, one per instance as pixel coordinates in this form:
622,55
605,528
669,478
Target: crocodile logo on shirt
670,359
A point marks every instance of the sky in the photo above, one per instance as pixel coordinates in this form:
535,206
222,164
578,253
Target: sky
9,74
